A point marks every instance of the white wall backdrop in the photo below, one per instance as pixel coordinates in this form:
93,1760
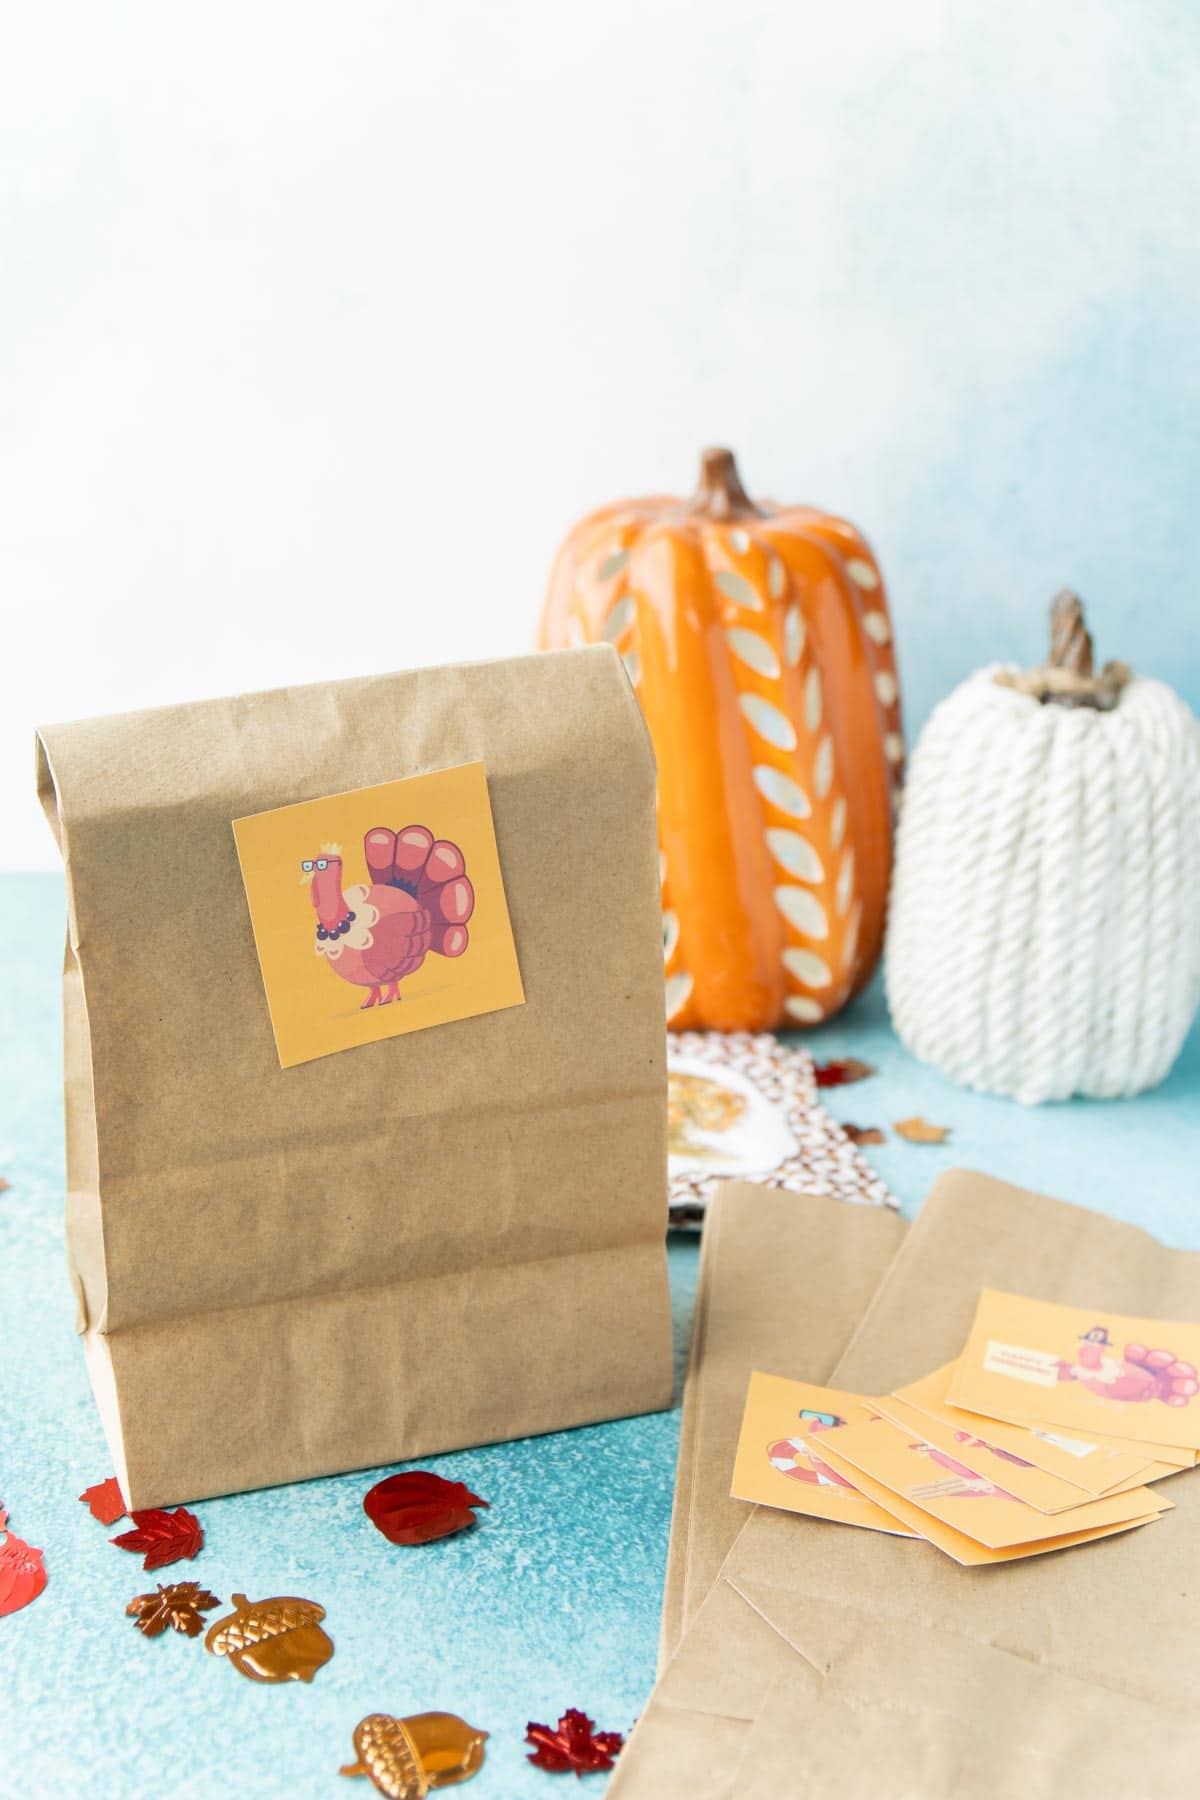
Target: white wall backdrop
321,323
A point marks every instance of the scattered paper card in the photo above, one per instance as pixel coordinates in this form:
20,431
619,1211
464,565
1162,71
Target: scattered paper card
1076,1469
780,1460
1031,1362
405,927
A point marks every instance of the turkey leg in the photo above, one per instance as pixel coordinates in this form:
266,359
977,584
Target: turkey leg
372,999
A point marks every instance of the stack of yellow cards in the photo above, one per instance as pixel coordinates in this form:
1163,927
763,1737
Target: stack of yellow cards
1047,1432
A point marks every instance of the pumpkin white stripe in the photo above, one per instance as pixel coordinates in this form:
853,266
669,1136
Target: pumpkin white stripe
807,967
740,541
670,935
679,991
736,587
633,666
620,617
793,636
799,1006
823,767
845,883
837,829
795,854
812,699
893,745
776,578
861,573
782,791
803,910
877,628
754,650
885,687
612,565
768,721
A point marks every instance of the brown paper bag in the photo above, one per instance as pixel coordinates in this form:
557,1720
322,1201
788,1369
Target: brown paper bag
438,1239
783,1281
1071,1673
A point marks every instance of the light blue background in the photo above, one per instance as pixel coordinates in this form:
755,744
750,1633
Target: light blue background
317,332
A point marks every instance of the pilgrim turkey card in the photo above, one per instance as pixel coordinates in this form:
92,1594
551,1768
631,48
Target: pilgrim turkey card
1031,1362
378,912
779,1458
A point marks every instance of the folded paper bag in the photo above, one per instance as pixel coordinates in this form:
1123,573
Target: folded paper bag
440,1237
1067,1674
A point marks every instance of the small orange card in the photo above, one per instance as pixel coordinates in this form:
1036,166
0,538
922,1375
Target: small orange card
964,1549
1033,1363
780,1460
914,1472
378,912
1070,1469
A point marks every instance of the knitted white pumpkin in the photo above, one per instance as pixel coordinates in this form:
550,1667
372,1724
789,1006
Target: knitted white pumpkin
1044,934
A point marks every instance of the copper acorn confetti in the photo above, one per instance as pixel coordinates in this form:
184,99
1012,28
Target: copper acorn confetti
418,1507
166,1537
105,1501
406,1757
22,1570
575,1745
279,1639
863,1134
178,1605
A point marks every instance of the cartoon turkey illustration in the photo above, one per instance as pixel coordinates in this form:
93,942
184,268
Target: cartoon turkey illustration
418,899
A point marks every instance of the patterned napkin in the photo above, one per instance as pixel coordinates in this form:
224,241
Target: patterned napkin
745,1107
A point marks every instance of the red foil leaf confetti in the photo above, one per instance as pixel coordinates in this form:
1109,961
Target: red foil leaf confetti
840,1072
179,1606
575,1745
105,1501
418,1507
166,1537
22,1571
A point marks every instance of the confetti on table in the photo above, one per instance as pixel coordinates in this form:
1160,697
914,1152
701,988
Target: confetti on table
166,1537
279,1639
22,1570
179,1605
919,1131
575,1745
417,1507
105,1501
842,1071
406,1757
4,1185
863,1134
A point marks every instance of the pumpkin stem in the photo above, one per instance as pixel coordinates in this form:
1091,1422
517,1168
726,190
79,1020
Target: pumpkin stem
1069,678
720,494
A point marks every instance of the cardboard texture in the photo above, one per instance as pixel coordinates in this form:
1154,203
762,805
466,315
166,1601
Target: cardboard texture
844,1663
782,1283
434,1240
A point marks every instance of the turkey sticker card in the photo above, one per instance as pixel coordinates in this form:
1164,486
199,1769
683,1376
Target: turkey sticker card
961,1545
779,1457
1074,1467
912,1470
1034,1363
378,912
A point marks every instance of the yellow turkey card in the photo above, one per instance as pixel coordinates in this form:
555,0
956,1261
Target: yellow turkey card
963,1548
914,1471
1075,1468
785,1427
1034,1363
378,912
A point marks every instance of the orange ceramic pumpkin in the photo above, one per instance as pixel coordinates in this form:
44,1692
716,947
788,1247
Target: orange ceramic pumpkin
759,643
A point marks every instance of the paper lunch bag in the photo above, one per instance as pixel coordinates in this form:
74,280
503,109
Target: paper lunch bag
439,1239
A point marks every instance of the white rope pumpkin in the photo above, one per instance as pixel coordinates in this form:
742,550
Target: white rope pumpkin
1044,934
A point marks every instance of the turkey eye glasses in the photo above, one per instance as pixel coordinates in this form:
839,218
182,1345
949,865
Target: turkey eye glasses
322,862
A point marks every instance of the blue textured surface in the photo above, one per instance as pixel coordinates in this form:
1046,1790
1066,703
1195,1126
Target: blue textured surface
552,1601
